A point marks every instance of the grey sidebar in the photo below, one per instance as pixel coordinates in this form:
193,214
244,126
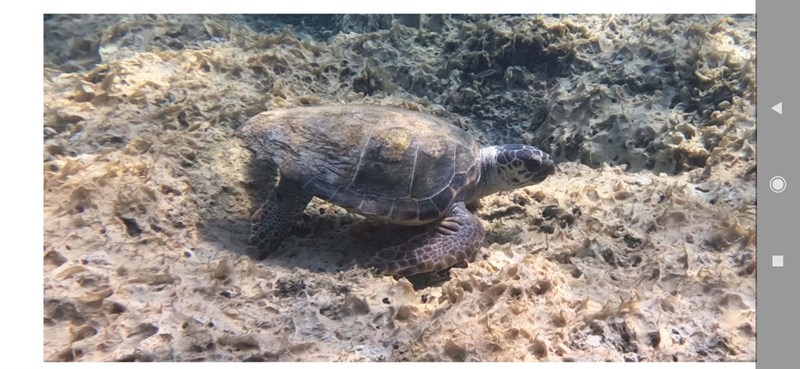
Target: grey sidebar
778,183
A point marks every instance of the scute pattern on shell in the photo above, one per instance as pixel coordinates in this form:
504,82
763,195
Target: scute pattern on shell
390,163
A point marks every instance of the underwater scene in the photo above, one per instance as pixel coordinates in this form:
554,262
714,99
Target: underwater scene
399,187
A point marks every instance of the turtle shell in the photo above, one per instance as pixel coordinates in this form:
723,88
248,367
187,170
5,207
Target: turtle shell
395,164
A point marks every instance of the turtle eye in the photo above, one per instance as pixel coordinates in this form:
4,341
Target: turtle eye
516,163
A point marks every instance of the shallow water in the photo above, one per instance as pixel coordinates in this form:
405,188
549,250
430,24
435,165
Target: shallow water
640,248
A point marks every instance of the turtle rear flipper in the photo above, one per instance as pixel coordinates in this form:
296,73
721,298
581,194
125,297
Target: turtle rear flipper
275,219
453,240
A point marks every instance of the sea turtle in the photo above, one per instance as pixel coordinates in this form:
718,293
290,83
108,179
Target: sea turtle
397,165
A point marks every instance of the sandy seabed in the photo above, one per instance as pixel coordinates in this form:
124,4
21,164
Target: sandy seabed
641,247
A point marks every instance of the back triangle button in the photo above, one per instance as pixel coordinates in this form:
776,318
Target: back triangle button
778,108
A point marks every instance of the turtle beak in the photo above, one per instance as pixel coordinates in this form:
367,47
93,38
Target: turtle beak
546,168
550,166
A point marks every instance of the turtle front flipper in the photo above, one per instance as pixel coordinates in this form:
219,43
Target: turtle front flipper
453,240
275,219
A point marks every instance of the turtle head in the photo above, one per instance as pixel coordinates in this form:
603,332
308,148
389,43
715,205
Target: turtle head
506,167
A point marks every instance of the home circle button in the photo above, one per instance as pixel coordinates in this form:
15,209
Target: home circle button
777,184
